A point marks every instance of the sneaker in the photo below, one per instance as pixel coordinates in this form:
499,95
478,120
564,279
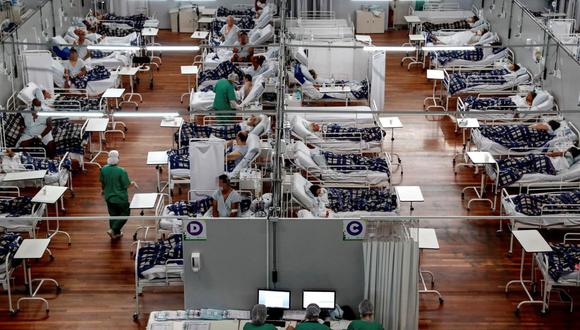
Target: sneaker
111,234
118,236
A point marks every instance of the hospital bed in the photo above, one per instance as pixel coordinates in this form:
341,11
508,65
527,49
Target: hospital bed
338,142
110,60
557,270
480,57
13,205
179,171
463,80
542,206
327,114
199,205
94,88
158,264
203,101
345,202
63,99
564,137
59,171
443,12
215,126
11,242
461,38
331,168
484,106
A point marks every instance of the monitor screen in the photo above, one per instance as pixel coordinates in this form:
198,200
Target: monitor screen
324,299
274,298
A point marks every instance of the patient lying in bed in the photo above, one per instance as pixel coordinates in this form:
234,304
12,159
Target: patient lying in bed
462,38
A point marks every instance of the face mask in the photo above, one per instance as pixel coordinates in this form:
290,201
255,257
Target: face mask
35,108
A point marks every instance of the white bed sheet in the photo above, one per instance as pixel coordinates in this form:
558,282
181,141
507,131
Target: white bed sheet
325,114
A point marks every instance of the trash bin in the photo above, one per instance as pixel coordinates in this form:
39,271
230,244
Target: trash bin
174,18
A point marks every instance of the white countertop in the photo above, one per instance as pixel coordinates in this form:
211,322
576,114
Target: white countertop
480,157
143,201
390,122
189,69
24,175
531,240
49,194
409,193
111,93
32,248
157,158
97,125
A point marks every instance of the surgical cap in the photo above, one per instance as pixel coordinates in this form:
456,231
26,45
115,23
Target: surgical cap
365,308
113,157
233,77
258,314
312,311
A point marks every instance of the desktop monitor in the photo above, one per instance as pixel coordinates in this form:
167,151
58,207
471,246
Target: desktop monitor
324,299
274,298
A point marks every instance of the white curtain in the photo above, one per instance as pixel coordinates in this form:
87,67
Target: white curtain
206,157
38,69
391,266
377,80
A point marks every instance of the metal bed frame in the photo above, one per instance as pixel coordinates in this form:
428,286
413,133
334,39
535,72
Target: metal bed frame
447,77
509,57
10,192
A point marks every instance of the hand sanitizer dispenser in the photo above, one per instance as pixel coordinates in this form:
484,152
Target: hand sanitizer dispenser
195,261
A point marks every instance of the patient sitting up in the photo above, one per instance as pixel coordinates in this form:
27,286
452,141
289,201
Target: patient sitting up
257,66
226,201
250,123
321,199
238,147
11,161
37,129
42,95
74,67
246,87
243,52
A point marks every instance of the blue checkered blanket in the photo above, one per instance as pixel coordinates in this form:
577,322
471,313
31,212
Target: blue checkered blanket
498,103
463,80
370,200
68,137
538,204
358,89
157,253
192,130
354,162
222,71
138,19
9,244
13,124
224,12
563,259
76,103
367,134
512,169
16,207
99,72
443,57
457,25
516,136
192,208
51,165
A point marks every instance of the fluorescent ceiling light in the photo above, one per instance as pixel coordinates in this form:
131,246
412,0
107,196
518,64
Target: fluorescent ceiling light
446,48
172,48
70,114
145,114
112,48
389,49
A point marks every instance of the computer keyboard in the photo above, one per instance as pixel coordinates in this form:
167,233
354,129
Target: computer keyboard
294,315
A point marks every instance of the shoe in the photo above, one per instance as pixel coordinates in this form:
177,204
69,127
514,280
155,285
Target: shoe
111,234
118,236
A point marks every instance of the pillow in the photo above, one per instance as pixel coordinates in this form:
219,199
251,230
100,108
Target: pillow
26,95
540,98
318,158
299,146
256,91
306,162
299,188
300,127
300,56
263,127
306,73
254,35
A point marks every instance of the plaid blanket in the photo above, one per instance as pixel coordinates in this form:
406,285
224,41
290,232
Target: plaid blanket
110,31
512,169
70,102
563,260
457,25
16,207
371,200
224,12
498,103
463,80
178,158
447,56
157,253
516,136
99,72
355,162
68,138
192,130
9,243
533,205
222,71
353,133
12,123
192,208
138,20
51,165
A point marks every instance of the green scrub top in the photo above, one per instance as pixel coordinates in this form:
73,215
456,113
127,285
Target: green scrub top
311,325
265,326
224,94
364,325
115,182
